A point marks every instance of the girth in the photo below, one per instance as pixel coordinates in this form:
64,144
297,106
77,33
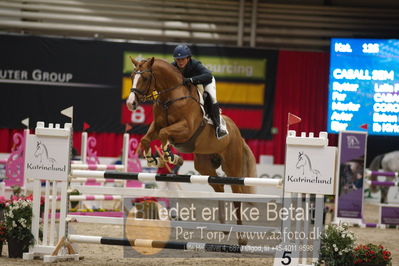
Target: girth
165,106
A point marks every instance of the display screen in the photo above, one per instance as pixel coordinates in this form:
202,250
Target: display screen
364,86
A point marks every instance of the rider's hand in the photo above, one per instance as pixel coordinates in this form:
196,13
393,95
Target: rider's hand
187,81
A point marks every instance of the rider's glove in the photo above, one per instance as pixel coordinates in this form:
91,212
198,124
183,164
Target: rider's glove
187,81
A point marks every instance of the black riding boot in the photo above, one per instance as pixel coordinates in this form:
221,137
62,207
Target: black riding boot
215,116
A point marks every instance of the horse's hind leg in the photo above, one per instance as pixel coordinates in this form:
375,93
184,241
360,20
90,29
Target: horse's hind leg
242,239
235,170
233,165
205,165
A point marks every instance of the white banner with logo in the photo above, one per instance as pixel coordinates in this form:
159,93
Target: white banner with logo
47,157
310,169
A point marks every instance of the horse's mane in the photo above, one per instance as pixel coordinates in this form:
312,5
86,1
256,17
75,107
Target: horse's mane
169,65
45,149
310,163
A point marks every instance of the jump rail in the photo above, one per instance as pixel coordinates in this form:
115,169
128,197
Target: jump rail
80,166
370,173
193,179
89,197
381,226
191,246
90,161
383,183
101,180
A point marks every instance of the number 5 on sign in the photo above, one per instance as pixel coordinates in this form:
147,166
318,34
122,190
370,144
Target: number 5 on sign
286,255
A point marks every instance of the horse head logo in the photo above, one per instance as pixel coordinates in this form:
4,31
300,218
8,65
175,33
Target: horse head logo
305,165
42,153
353,142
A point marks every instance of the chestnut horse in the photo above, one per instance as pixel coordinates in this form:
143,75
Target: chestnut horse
179,120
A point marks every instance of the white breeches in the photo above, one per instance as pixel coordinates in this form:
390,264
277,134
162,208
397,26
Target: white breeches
211,89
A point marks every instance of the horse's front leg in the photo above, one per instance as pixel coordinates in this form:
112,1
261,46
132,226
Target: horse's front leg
145,142
177,130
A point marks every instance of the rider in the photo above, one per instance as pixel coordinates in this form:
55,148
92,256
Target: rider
194,72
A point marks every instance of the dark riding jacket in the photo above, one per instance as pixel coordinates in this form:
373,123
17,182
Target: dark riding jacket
196,71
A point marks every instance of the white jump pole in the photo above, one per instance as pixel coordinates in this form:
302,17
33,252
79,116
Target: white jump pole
82,165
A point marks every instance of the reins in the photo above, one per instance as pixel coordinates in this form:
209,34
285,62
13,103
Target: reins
165,105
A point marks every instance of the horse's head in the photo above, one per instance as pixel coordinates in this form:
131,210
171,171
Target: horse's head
143,83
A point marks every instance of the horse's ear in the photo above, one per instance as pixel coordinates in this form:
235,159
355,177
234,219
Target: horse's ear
133,61
151,62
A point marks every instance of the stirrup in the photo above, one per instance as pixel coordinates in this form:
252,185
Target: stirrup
221,129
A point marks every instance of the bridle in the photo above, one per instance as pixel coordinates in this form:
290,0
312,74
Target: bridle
147,94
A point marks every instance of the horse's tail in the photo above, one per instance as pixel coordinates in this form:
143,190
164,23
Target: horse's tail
249,168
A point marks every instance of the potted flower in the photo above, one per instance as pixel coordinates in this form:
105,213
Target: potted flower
336,246
18,221
371,255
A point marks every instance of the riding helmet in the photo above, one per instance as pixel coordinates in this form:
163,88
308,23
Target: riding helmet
181,51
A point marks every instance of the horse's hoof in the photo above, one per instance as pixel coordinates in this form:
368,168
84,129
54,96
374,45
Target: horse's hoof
151,164
155,162
180,161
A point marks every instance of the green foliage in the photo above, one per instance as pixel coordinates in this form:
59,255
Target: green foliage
336,246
